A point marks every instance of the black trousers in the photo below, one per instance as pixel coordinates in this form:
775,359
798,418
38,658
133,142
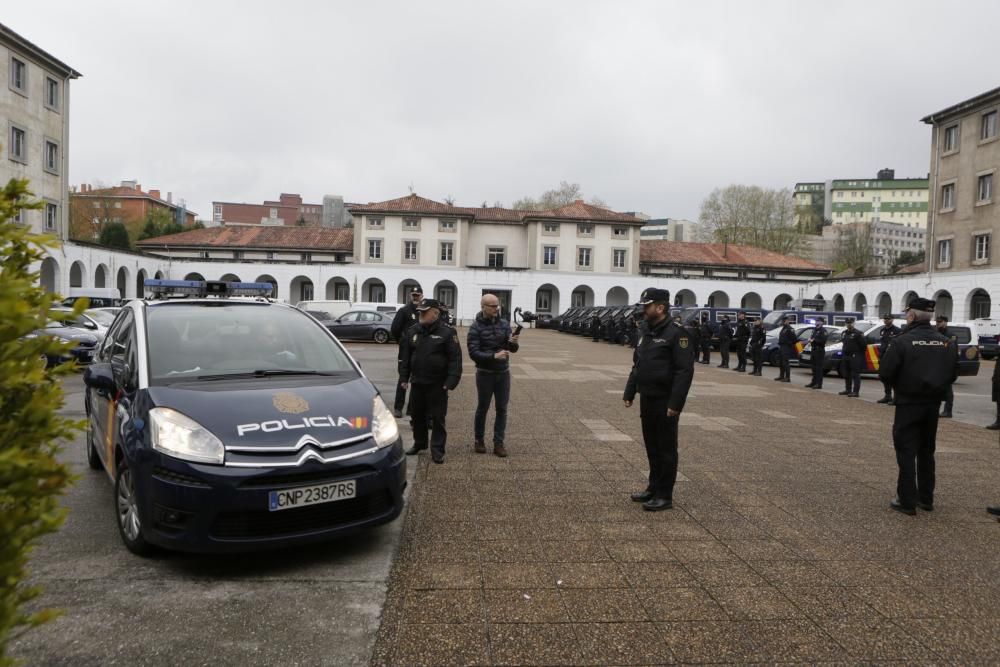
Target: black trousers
949,399
724,351
758,358
850,368
400,399
818,359
741,354
429,403
786,361
659,433
706,351
914,436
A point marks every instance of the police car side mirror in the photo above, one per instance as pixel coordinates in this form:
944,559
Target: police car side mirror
99,376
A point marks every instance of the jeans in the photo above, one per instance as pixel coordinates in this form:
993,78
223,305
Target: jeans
488,386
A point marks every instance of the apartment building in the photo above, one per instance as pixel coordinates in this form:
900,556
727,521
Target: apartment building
289,209
127,203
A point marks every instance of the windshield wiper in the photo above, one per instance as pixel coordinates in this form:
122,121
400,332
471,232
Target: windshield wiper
263,372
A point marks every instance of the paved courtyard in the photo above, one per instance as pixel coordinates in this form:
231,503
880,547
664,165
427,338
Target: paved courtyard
781,546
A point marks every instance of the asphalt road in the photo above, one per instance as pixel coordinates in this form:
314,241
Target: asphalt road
311,605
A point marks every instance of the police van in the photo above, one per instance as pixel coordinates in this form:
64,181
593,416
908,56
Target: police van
227,421
832,317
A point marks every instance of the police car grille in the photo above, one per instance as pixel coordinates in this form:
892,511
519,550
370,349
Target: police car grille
315,476
177,477
248,525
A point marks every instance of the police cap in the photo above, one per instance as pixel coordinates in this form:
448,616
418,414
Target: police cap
427,304
918,303
654,295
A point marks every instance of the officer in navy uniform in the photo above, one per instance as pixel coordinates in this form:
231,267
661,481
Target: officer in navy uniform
705,340
432,366
920,365
889,331
818,352
758,336
949,398
595,327
725,337
662,370
405,318
740,340
853,359
786,348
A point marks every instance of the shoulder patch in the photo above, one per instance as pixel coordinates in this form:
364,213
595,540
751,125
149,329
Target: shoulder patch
683,342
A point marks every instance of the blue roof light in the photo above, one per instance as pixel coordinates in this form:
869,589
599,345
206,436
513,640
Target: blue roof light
159,288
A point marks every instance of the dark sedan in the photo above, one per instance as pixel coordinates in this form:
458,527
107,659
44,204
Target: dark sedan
86,342
360,325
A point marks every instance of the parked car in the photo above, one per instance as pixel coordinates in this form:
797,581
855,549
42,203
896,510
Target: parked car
100,297
362,325
85,340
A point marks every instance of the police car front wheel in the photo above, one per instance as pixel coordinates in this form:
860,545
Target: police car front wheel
127,511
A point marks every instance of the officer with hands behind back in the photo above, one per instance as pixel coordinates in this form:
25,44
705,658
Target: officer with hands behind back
853,360
740,340
786,348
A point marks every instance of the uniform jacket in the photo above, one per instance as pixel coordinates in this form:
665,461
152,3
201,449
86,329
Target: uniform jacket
705,333
405,318
787,336
854,343
431,355
996,383
886,336
742,334
819,339
662,365
757,337
920,365
487,336
725,331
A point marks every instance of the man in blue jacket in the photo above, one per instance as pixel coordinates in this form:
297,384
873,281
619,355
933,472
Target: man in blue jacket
490,344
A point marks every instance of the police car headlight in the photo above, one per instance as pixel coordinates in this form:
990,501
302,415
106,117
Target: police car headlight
182,437
384,428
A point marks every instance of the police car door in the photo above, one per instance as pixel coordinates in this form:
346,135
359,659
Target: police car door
119,352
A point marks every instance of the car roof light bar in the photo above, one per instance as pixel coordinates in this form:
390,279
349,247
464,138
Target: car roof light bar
158,288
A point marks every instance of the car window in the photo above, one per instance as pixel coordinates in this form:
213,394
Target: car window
873,334
349,317
366,317
187,341
114,333
319,314
806,333
102,317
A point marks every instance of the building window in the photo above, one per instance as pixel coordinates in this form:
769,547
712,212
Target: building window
273,213
550,228
543,301
585,229
447,252
579,299
495,257
51,93
620,232
982,246
237,254
18,144
549,255
985,189
374,223
51,216
18,75
988,126
51,157
951,139
411,223
583,258
618,258
948,196
446,225
307,291
410,253
217,212
307,257
269,254
375,250
203,254
446,295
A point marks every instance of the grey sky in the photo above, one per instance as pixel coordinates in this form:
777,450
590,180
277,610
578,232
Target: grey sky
647,105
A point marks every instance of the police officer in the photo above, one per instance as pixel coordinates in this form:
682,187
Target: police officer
740,340
853,359
595,327
725,337
889,331
941,322
818,351
432,366
662,370
920,365
705,340
405,318
786,348
757,338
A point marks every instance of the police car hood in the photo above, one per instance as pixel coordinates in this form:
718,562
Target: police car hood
275,412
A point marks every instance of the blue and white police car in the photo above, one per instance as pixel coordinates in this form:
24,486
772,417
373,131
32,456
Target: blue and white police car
229,422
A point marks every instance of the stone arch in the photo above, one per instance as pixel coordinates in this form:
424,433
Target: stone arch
838,302
77,274
718,299
230,278
819,297
338,289
447,293
194,275
782,301
945,306
617,296
140,283
883,303
300,289
267,278
48,275
859,303
122,282
582,296
978,304
547,299
907,297
373,289
404,287
158,275
685,297
751,300
101,276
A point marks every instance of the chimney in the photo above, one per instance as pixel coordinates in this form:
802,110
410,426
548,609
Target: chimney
155,194
170,197
138,188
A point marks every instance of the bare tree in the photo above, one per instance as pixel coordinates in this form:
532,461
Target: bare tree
565,194
854,248
751,215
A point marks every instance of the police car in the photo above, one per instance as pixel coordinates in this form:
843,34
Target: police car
227,421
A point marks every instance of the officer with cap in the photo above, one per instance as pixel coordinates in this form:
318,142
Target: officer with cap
818,352
889,331
662,370
705,340
853,350
758,336
941,323
740,340
725,337
786,348
431,363
595,327
405,318
920,365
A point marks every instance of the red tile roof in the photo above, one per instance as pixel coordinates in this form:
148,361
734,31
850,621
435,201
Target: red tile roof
122,191
677,252
416,205
257,236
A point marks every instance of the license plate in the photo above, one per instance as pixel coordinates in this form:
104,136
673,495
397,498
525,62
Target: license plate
310,495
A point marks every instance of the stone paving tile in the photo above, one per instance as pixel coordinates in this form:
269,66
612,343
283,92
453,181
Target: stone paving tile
778,549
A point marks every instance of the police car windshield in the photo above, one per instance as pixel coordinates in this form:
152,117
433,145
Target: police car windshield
189,341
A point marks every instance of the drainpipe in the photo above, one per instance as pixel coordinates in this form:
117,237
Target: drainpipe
932,213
